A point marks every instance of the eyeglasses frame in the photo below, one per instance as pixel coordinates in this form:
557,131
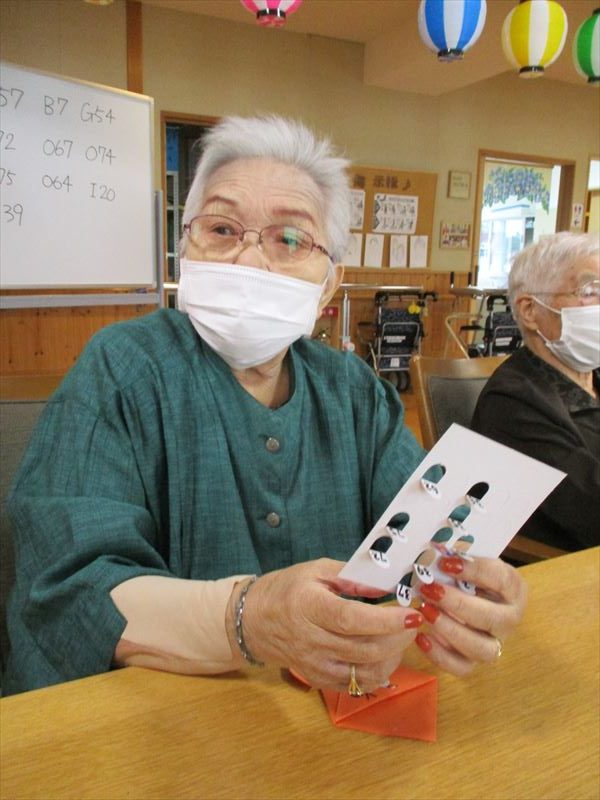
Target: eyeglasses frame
578,294
314,246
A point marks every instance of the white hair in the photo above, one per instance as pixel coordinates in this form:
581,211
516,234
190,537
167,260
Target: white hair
288,142
541,266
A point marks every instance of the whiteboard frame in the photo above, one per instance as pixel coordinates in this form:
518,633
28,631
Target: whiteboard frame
142,296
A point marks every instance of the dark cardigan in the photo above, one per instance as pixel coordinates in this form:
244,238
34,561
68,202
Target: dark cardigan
532,407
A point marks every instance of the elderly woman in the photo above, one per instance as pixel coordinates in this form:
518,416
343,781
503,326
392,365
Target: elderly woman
190,451
543,400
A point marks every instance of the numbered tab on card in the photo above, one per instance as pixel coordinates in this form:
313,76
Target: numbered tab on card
404,594
431,478
378,551
381,559
424,574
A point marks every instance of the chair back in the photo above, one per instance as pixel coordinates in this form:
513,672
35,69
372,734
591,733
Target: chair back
18,417
447,390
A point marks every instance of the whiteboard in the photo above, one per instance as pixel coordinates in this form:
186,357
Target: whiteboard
77,208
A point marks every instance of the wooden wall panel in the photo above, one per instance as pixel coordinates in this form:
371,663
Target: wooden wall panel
48,341
43,341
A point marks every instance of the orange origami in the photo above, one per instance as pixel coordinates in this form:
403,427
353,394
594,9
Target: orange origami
408,708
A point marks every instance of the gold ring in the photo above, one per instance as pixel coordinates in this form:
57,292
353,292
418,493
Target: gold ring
498,647
354,689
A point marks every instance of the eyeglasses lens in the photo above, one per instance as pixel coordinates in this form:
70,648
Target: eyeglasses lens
283,242
218,236
590,291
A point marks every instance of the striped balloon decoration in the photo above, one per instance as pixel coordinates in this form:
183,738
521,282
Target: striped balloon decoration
533,36
450,27
271,13
586,49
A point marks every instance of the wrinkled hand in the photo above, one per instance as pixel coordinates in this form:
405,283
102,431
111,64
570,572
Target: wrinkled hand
295,618
467,629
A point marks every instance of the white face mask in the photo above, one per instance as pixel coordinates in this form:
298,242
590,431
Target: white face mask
247,315
579,343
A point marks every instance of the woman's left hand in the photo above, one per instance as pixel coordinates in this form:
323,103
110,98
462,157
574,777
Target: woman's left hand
468,629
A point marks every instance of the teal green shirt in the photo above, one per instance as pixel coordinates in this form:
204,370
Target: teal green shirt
152,459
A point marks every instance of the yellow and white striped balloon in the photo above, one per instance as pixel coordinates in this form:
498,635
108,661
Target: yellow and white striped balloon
533,36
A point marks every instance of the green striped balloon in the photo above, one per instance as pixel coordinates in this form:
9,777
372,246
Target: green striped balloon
586,49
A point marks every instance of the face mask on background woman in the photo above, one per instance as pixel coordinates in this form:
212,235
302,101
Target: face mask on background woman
579,343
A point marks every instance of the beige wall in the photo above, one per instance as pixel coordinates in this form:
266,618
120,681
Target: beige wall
66,36
205,66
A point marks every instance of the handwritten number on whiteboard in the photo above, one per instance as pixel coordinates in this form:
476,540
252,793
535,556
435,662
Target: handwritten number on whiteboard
57,147
8,95
6,140
90,114
13,213
100,153
102,192
54,105
49,182
7,177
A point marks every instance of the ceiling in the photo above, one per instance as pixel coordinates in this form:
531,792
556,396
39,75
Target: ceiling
394,56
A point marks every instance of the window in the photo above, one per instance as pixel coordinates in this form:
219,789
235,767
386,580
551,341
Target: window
519,204
519,199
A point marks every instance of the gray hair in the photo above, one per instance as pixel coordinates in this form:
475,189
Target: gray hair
288,142
540,267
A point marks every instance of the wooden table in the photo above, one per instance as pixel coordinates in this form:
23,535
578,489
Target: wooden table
525,727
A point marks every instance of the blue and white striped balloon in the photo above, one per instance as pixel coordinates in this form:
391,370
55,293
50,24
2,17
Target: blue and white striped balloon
450,27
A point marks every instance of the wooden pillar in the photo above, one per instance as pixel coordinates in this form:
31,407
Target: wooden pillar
135,74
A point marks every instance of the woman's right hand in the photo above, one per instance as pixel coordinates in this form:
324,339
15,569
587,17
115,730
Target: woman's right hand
295,618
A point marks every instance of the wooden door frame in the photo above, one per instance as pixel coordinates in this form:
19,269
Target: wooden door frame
167,117
565,192
588,193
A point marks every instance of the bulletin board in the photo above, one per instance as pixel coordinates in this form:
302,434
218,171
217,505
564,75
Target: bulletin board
392,218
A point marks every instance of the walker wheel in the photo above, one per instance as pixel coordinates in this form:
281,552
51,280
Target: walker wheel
403,381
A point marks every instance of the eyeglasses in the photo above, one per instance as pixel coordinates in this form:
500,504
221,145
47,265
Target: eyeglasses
218,236
588,292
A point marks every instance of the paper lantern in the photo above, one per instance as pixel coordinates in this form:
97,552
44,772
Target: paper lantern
533,36
271,13
450,27
586,49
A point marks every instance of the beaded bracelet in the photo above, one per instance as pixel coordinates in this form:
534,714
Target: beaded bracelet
239,633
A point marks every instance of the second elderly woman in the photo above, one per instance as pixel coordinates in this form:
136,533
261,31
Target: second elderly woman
544,399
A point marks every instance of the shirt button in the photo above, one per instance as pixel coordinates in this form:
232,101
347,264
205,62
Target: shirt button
272,444
273,519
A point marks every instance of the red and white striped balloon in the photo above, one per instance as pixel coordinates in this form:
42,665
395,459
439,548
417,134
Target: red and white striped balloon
271,13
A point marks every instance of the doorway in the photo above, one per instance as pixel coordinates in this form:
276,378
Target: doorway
180,150
519,198
592,204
